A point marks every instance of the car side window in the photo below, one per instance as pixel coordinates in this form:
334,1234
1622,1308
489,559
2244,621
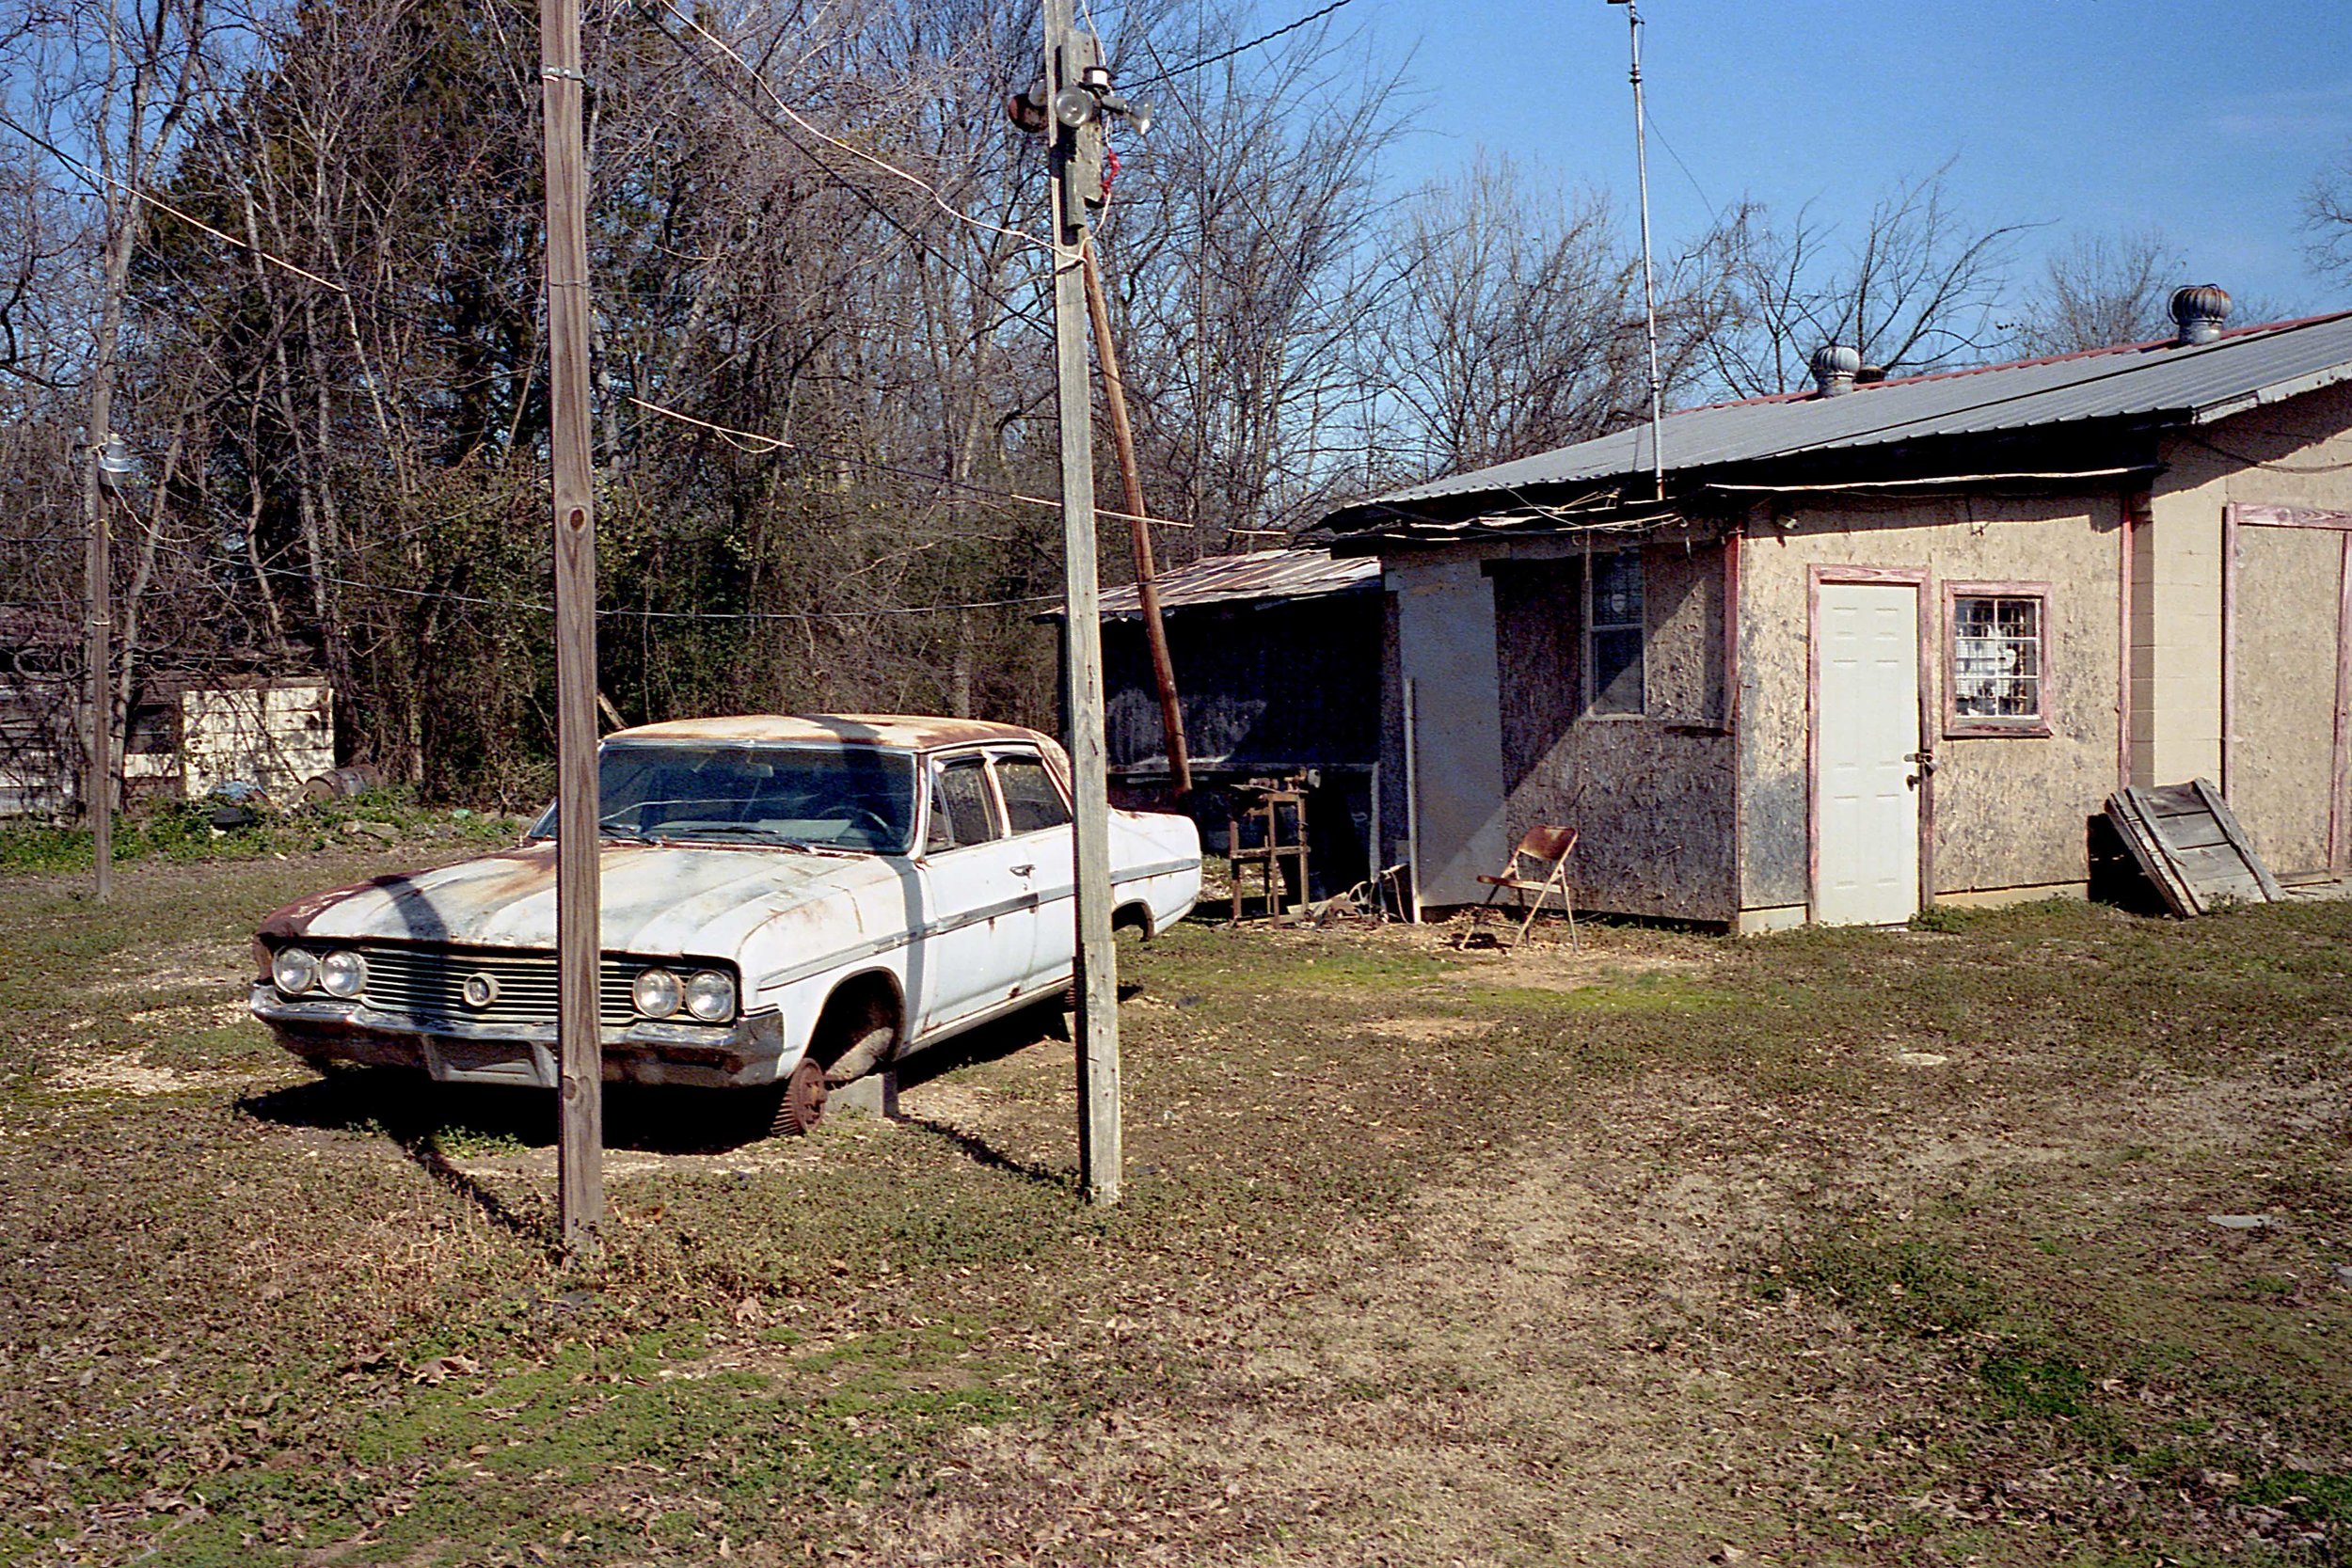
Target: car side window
961,812
1031,801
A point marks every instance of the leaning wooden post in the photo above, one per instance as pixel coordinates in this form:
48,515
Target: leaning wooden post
1147,575
580,1153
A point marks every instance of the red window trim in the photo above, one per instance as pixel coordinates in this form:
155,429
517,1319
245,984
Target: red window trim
1955,726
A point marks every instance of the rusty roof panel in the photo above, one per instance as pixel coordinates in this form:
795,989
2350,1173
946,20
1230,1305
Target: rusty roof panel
2194,385
1258,577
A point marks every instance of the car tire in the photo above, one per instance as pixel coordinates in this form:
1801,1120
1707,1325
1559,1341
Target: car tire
800,1100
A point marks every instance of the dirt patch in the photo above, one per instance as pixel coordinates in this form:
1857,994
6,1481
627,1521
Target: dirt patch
201,1014
1582,1354
125,1073
1516,1378
1546,968
1430,1031
183,966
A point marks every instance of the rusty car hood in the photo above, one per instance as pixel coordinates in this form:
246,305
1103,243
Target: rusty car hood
658,898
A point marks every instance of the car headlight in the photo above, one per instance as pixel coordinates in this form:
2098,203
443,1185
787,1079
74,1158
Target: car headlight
654,992
710,996
294,970
343,973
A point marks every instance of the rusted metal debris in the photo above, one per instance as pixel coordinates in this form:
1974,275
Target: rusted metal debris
1261,577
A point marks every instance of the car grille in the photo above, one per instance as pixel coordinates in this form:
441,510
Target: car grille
427,982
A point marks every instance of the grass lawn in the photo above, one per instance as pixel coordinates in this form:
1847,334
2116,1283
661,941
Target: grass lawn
1826,1247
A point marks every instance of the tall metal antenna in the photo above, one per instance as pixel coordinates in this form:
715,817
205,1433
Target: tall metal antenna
1649,283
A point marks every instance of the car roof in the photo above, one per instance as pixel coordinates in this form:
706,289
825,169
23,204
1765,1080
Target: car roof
892,731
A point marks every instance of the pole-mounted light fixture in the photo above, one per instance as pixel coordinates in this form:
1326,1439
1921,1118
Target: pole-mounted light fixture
1085,102
116,468
1026,110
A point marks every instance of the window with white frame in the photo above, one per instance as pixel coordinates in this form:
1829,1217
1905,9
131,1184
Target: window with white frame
1999,661
1612,633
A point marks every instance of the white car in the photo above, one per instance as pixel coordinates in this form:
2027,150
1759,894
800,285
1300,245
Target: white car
787,904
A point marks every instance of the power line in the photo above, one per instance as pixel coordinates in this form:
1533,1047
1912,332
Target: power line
618,613
801,120
1238,49
202,556
759,112
136,194
1704,200
777,443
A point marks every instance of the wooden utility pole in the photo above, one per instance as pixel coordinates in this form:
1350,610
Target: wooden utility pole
1147,575
109,468
579,1150
1073,159
98,802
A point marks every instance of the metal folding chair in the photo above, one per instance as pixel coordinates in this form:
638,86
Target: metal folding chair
1549,847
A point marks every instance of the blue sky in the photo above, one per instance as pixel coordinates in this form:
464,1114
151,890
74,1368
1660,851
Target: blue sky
2206,119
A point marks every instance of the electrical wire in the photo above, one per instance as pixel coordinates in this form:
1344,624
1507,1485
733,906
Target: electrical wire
1014,308
812,129
777,443
157,202
1225,54
1713,213
618,613
2219,450
479,601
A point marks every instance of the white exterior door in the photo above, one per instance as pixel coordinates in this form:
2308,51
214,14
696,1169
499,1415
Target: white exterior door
1866,787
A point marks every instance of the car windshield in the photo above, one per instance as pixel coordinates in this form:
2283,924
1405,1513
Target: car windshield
856,798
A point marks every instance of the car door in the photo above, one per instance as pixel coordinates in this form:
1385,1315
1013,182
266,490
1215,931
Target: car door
1036,816
980,903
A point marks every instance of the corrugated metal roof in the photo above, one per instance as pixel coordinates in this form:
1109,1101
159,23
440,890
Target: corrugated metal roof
2161,381
1260,575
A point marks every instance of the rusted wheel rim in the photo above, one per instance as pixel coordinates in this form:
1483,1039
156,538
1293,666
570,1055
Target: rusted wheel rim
803,1103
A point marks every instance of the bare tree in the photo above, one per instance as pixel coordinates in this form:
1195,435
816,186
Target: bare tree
1513,322
2100,289
1917,289
2327,218
100,90
1236,248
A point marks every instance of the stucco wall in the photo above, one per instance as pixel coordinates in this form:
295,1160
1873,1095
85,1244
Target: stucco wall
2283,692
2279,768
2009,812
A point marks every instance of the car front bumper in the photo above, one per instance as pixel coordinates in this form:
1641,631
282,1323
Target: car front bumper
745,1053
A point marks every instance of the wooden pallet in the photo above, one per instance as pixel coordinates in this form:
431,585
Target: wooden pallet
2188,843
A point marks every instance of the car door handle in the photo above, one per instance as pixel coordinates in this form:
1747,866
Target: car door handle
1023,870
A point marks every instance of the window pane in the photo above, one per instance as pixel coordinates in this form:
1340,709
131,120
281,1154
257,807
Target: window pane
1997,658
1031,802
1614,681
1617,589
845,798
1617,671
960,812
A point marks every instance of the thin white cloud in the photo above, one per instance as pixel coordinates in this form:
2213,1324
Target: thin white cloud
2294,114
